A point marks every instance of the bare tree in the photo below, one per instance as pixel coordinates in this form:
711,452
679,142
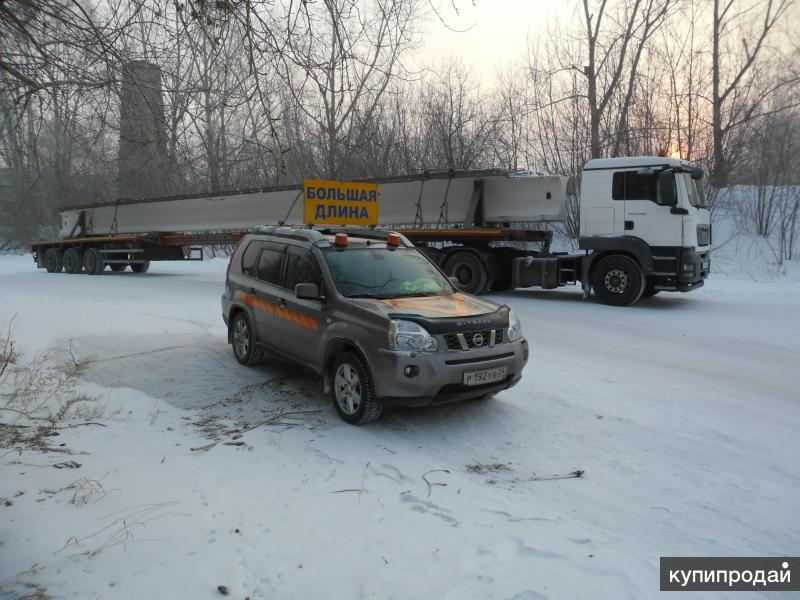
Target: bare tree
736,99
613,54
338,57
456,119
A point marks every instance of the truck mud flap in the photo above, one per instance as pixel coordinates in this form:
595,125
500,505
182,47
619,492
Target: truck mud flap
528,271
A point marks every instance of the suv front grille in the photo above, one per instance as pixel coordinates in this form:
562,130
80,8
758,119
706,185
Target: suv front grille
474,339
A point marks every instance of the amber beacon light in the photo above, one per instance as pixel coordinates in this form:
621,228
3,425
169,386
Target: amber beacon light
393,239
340,241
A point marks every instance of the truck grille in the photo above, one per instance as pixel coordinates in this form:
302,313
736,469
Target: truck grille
474,339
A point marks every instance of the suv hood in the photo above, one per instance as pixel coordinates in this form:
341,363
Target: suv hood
432,307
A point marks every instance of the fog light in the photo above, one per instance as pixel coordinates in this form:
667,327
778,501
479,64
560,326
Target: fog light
411,371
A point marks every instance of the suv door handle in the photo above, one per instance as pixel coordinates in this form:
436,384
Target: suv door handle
253,291
282,303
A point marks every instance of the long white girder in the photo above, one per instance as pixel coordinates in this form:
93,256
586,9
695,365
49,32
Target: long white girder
507,198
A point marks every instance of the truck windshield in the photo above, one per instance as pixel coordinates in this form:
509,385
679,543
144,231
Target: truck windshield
382,273
694,188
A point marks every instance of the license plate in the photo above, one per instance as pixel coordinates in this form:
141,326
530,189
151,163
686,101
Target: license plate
485,376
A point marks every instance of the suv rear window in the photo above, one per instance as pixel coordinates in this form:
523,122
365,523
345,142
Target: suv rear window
269,266
249,259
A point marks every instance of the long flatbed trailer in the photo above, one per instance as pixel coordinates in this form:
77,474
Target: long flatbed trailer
445,212
644,227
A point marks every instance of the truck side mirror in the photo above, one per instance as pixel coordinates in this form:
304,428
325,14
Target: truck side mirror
307,291
666,189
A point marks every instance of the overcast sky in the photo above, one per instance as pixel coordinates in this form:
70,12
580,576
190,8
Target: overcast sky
499,34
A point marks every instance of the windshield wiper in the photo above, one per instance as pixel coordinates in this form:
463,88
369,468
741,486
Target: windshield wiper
419,294
379,297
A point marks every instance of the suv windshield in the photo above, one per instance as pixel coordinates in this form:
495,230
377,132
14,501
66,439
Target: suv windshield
694,188
382,273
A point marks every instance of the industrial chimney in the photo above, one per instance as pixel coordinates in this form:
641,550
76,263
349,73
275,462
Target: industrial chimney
143,168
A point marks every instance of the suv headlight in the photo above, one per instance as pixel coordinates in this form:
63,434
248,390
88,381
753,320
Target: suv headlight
407,335
514,327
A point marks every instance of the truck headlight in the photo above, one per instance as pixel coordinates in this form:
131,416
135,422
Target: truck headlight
514,327
407,335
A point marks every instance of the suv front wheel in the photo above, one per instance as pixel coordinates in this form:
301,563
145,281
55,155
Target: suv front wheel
353,390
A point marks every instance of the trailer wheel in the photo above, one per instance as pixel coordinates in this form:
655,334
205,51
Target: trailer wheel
53,260
618,280
118,267
141,267
73,261
469,270
93,262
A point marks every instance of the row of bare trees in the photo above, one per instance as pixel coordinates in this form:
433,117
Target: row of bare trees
261,92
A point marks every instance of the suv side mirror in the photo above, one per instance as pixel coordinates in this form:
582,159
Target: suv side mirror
307,291
666,189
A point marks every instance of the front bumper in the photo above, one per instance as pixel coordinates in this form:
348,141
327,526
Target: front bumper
440,375
693,269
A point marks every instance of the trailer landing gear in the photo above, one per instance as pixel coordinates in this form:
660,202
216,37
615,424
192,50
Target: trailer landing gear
141,267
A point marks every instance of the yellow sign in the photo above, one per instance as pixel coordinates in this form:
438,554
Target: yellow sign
329,202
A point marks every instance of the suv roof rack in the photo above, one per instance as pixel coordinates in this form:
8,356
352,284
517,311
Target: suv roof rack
319,233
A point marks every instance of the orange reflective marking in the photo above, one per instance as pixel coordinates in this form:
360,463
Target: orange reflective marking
443,306
280,312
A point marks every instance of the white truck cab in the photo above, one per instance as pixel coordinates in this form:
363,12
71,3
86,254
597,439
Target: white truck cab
653,209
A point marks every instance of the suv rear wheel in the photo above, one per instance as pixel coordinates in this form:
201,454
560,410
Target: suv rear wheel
353,390
244,342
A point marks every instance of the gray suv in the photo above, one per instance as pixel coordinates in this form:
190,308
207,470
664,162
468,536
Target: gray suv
371,315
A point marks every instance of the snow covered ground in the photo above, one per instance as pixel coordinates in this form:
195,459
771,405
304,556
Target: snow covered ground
682,411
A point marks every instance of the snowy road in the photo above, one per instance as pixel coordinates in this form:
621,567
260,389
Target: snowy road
683,412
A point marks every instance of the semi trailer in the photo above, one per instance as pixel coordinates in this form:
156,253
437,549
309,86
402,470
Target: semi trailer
644,227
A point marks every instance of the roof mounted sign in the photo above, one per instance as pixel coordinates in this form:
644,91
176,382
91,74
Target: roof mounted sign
330,202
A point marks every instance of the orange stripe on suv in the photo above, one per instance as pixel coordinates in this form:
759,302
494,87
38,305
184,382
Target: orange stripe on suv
280,312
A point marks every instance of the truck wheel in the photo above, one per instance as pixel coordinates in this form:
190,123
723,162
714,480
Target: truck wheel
73,261
93,262
118,267
353,390
53,260
140,267
244,342
469,270
617,280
